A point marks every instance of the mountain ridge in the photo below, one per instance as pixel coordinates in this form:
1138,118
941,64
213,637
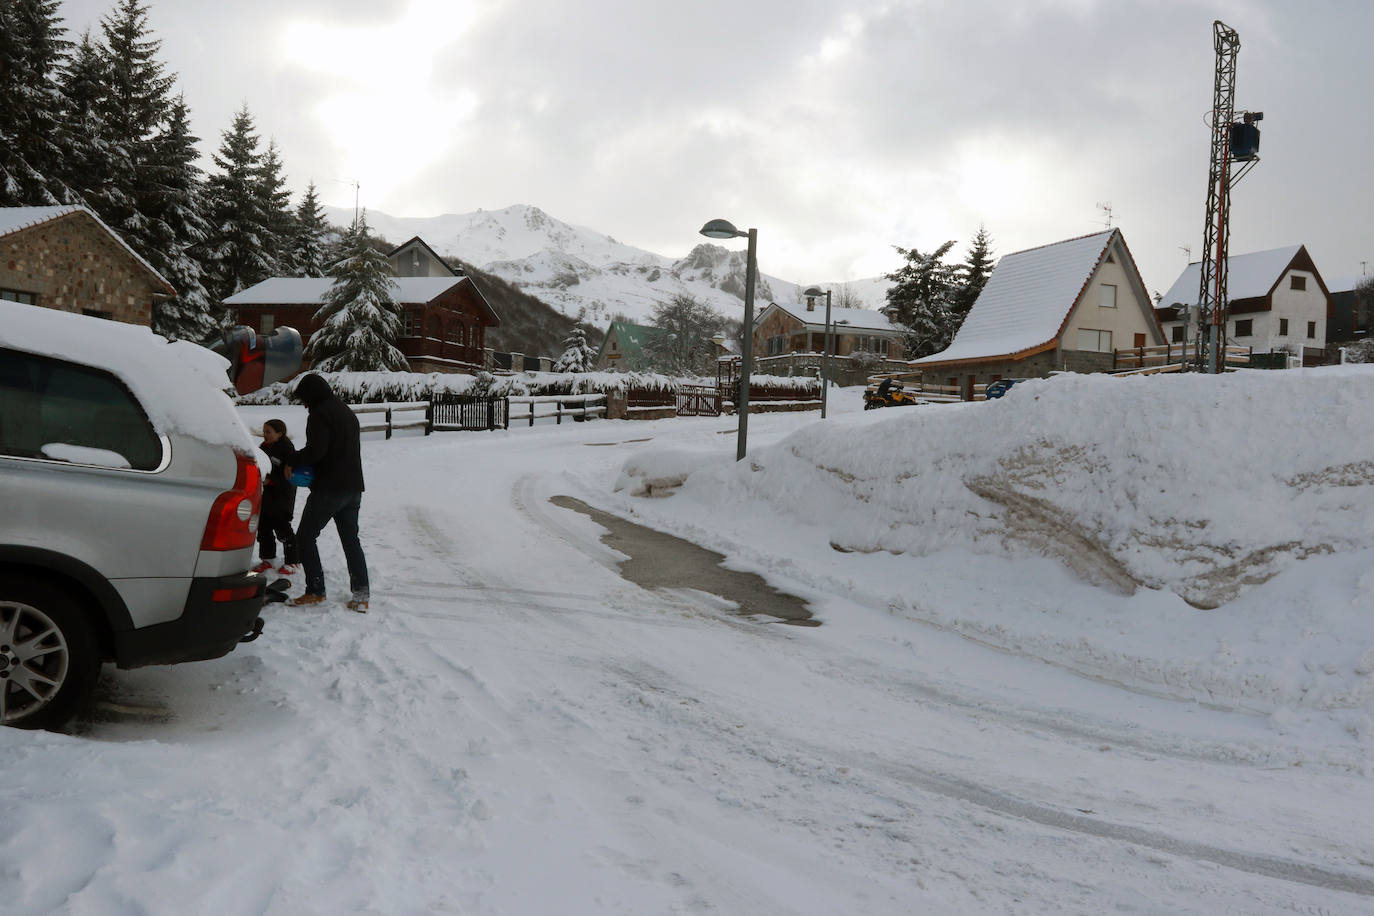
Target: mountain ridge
590,276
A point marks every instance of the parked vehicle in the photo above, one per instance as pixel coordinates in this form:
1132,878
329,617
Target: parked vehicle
887,393
130,490
1000,387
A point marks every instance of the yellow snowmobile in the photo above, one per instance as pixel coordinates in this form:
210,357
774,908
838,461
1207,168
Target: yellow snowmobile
889,393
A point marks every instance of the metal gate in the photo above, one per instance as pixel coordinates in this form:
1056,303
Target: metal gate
698,401
450,411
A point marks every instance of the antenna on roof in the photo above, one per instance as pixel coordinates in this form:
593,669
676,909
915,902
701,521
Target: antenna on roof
1107,207
1187,252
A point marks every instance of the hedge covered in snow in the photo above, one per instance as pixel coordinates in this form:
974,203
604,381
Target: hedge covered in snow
393,387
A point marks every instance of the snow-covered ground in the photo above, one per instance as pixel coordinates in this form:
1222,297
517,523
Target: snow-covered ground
1102,645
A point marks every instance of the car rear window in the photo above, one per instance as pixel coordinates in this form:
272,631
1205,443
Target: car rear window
62,411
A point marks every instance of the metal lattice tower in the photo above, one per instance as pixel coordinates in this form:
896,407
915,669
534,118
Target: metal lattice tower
1232,142
1211,317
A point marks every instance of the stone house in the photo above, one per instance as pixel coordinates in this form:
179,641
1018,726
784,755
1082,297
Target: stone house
1067,306
66,258
782,329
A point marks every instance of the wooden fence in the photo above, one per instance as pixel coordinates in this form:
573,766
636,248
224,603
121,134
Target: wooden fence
389,424
1170,358
556,406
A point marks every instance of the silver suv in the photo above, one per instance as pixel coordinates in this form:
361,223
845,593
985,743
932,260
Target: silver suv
129,495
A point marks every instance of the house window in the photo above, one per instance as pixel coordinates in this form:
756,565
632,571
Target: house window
98,313
1176,333
269,322
455,333
1283,327
410,324
777,344
1106,296
1245,327
15,295
1296,282
1096,341
1311,330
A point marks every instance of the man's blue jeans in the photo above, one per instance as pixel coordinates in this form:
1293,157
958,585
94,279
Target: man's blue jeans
340,506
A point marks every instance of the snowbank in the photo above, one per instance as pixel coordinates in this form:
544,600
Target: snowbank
1147,490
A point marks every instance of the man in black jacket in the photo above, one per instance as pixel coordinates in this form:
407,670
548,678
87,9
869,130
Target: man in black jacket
332,449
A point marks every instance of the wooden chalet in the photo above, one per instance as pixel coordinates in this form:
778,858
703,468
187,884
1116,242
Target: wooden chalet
1066,306
444,319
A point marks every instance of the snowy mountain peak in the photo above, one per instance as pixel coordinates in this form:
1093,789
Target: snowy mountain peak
582,272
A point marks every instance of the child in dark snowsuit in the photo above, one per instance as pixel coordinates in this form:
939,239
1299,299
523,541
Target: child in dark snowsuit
278,502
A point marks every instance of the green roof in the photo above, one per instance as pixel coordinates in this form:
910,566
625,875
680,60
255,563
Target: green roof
632,339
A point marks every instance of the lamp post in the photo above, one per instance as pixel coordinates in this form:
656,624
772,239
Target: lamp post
813,293
724,229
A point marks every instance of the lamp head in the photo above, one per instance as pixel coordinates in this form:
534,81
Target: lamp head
721,229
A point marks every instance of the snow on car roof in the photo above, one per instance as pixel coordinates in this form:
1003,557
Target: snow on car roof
180,384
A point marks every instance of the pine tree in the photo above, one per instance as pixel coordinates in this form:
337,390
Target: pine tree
177,229
359,320
577,355
922,299
85,169
136,103
235,256
310,241
279,222
973,274
32,51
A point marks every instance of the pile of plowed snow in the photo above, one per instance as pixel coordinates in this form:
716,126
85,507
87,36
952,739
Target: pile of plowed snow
1196,484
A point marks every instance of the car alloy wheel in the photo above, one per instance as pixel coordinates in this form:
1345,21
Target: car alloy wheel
48,656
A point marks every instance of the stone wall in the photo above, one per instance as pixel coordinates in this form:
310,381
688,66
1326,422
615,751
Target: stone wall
73,264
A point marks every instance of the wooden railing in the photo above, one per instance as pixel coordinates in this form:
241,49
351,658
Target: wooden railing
538,407
1170,358
389,423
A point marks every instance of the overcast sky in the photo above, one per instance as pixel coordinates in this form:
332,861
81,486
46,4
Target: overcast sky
836,129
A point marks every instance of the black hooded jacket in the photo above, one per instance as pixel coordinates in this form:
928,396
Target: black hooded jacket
331,438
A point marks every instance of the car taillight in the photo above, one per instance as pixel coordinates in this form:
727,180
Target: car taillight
234,516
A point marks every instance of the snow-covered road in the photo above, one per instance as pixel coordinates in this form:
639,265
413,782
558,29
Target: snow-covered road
515,728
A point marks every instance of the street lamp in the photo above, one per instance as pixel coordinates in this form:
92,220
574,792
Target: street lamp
724,229
812,294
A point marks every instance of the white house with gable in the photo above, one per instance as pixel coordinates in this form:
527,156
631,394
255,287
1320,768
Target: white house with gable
1277,300
1065,306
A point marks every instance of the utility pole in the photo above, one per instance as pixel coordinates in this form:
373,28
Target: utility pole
1232,141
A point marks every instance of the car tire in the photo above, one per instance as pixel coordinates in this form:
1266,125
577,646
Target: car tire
49,654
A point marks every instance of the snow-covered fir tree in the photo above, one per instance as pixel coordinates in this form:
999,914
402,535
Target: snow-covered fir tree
279,222
136,102
176,230
82,85
973,273
33,48
359,320
235,253
577,356
310,240
922,298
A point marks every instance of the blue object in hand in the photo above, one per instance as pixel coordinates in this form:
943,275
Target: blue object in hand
301,477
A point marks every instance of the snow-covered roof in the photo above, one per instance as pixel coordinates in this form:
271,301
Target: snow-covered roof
311,290
864,319
1248,276
14,219
1026,299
